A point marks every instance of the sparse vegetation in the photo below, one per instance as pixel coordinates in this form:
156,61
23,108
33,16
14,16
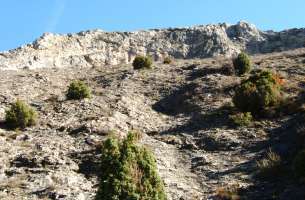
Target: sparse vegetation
228,193
142,62
299,165
241,119
242,64
167,60
78,90
20,115
206,147
129,172
258,93
270,166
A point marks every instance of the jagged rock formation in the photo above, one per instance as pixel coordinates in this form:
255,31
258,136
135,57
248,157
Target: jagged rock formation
100,48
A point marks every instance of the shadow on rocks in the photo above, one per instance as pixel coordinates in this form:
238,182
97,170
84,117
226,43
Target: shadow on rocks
3,125
88,162
178,101
196,73
285,140
218,118
281,184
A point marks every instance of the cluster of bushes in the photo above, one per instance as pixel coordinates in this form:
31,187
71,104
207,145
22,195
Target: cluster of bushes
258,94
21,115
128,172
145,62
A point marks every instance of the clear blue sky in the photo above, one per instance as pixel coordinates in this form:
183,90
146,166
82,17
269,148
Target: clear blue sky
22,21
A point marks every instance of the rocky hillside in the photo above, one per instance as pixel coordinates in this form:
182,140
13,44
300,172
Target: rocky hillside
93,48
183,110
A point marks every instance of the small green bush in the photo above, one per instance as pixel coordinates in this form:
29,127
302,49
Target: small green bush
128,172
299,165
167,60
142,62
258,93
242,64
78,90
242,119
20,115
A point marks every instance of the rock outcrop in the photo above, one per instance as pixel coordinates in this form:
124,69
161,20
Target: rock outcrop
99,48
93,48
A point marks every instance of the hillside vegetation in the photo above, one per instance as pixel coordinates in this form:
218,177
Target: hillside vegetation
191,129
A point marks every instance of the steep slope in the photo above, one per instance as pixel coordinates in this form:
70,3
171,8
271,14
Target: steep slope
100,48
178,107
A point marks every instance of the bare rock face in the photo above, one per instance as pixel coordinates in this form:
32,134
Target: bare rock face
99,48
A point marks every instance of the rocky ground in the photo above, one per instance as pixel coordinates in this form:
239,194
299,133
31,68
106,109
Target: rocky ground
180,108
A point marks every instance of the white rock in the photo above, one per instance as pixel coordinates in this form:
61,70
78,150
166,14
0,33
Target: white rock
93,48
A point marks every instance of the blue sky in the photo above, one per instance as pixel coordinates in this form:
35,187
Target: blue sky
24,20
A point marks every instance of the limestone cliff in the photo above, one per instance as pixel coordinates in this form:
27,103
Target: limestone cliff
93,48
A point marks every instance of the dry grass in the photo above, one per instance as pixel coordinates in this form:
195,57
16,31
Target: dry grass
228,193
137,175
270,166
17,182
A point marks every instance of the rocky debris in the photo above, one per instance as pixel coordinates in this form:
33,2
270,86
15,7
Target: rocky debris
214,140
96,47
40,168
181,183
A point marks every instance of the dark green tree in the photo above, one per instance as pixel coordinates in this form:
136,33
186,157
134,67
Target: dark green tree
128,172
242,64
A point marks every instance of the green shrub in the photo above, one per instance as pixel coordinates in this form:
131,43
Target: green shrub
299,165
128,172
167,60
241,119
78,90
141,62
20,115
242,64
258,93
